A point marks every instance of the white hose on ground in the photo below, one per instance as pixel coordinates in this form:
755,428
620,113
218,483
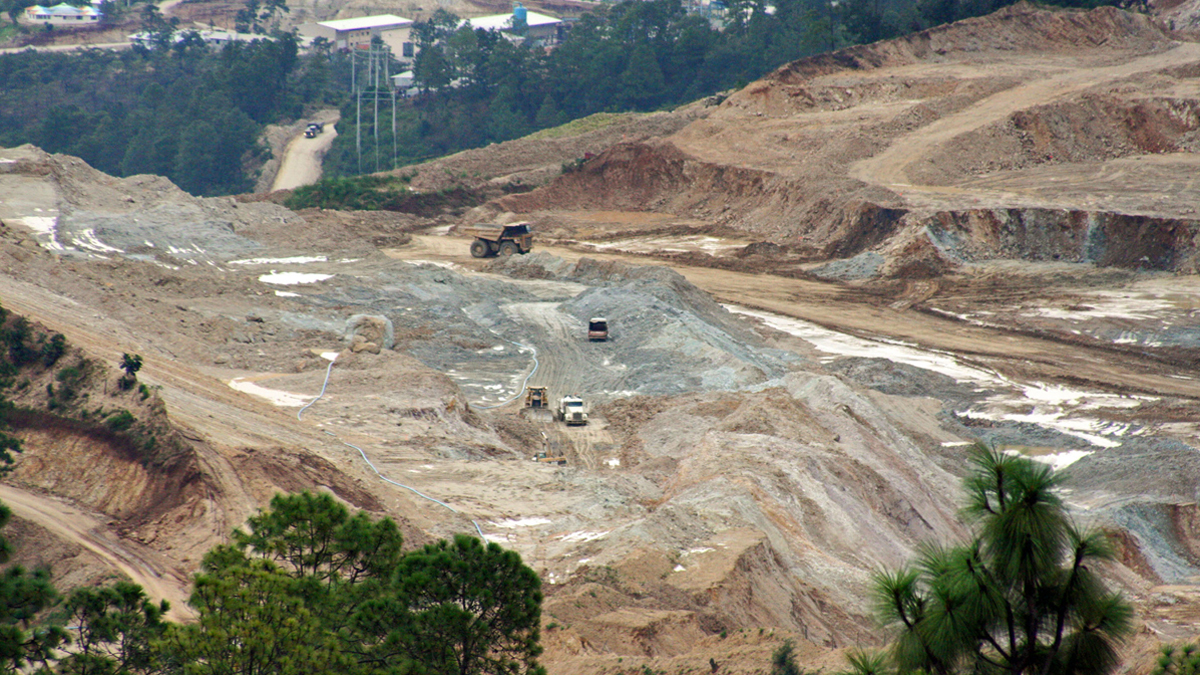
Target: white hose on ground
324,385
523,383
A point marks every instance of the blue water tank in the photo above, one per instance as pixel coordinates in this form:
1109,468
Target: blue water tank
520,14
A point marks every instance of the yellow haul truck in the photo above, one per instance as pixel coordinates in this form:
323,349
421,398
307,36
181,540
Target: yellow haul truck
505,240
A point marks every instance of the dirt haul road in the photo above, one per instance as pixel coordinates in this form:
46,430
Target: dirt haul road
302,159
160,577
836,307
890,168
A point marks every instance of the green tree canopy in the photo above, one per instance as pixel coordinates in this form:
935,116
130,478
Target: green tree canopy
1178,660
1023,596
254,620
115,628
8,445
309,588
26,641
461,608
336,561
314,535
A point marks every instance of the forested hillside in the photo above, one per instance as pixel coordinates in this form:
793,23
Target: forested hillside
479,88
195,115
188,113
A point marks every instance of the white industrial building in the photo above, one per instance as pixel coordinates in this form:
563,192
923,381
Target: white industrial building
540,28
396,31
357,33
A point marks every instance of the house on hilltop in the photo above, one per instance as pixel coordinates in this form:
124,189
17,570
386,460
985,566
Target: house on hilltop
396,31
64,14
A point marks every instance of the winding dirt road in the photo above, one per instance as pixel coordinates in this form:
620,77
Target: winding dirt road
159,576
892,167
302,159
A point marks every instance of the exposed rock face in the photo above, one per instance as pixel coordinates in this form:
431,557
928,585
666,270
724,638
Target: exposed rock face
1103,239
865,148
730,478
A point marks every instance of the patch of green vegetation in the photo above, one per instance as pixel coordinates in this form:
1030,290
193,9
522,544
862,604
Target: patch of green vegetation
266,576
120,420
70,378
69,374
1023,588
783,660
131,364
379,192
361,193
8,31
16,336
53,349
603,575
28,351
132,118
574,165
580,126
1178,660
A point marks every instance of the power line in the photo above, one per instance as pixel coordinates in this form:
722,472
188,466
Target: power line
378,63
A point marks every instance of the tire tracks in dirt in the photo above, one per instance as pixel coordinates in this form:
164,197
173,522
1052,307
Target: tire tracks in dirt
1014,354
160,577
559,346
890,168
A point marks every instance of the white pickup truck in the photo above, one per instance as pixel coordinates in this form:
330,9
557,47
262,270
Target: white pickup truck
571,411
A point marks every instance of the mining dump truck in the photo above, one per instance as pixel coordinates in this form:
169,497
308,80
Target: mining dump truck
493,240
598,329
571,411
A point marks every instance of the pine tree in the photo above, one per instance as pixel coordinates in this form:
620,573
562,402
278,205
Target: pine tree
462,607
642,82
116,626
26,641
1023,596
548,115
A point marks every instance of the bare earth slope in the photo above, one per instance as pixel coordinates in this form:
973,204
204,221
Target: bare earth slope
942,148
694,525
761,437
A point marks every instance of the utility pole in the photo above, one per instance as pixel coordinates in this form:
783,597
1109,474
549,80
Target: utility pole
378,66
358,128
387,78
393,127
357,106
375,100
